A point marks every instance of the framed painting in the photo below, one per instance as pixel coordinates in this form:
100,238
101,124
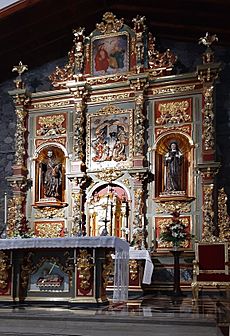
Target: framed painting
109,142
110,54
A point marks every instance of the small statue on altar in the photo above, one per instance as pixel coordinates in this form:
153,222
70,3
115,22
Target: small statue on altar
51,176
173,161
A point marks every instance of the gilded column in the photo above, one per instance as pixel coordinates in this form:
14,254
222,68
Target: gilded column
139,28
17,223
207,74
223,216
139,232
77,175
208,177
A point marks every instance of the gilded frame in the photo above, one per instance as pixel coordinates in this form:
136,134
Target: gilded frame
110,54
109,119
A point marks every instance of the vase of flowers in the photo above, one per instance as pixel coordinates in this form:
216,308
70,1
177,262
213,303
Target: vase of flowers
175,232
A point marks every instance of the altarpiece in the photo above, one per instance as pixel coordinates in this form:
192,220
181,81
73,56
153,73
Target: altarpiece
119,144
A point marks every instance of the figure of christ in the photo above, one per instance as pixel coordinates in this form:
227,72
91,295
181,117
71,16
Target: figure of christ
101,59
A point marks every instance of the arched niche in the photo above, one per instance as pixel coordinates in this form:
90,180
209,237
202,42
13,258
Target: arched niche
108,211
50,165
163,147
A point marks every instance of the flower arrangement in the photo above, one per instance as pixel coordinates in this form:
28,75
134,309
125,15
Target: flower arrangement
175,232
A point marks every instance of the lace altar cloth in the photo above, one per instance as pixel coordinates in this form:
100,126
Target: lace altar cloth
121,247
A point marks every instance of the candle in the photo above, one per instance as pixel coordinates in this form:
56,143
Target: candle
5,208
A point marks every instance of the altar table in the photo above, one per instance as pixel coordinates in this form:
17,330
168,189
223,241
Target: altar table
73,269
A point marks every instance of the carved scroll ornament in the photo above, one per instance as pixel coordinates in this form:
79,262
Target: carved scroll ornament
84,266
4,270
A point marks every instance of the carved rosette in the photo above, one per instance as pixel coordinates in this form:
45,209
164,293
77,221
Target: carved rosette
223,216
84,266
4,270
79,140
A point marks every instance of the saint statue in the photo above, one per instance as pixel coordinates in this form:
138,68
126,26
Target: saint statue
173,161
51,176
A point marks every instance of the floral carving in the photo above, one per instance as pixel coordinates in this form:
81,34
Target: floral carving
51,125
110,25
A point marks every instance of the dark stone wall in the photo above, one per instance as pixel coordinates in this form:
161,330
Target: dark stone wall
189,56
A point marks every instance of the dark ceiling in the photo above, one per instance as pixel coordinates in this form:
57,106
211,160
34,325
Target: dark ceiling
37,31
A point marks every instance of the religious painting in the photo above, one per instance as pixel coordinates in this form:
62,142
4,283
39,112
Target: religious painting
110,54
110,138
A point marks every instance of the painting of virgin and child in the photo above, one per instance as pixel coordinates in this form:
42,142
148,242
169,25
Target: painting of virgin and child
110,55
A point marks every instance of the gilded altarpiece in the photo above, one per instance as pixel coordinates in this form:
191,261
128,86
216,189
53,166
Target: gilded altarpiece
119,144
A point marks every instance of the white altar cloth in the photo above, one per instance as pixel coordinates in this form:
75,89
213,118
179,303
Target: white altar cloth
143,255
72,242
120,246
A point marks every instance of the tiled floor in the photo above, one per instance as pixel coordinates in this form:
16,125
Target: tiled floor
157,315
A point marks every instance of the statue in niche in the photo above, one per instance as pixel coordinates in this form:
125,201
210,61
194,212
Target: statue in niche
51,170
173,161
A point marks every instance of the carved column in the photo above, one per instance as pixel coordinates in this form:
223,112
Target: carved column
79,50
208,177
17,224
223,216
139,85
139,28
77,198
207,74
139,232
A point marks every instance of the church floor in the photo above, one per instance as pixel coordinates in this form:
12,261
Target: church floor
157,315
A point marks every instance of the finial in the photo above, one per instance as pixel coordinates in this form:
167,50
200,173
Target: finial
20,68
207,40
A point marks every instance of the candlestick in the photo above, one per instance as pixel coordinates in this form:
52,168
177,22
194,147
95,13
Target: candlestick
5,208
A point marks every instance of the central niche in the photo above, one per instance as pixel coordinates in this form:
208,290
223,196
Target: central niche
108,210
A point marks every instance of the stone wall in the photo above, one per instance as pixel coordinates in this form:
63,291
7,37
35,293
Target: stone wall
189,56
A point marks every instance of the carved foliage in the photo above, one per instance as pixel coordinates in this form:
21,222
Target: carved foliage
173,112
223,216
160,62
49,229
4,271
111,24
84,266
